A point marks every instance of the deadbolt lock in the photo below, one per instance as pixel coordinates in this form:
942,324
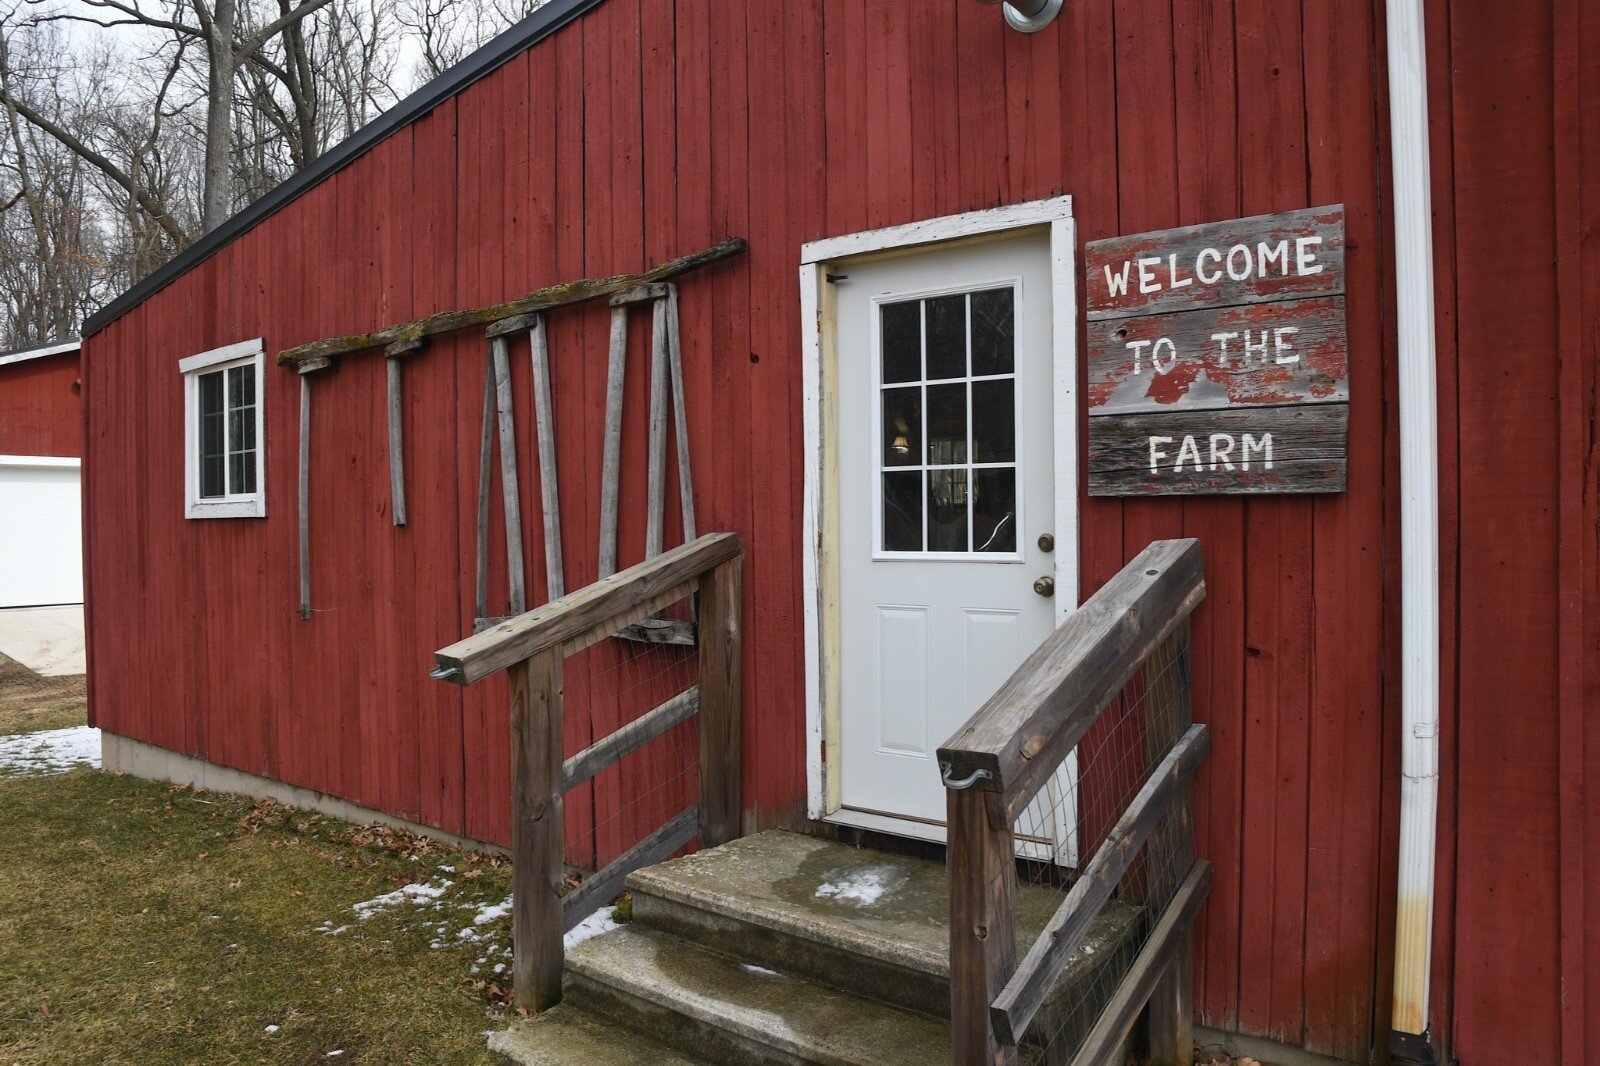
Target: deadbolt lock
1045,586
1047,542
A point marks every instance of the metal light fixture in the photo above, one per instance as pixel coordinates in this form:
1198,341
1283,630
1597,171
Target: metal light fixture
1030,16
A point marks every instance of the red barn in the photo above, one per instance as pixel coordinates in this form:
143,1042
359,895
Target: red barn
1395,664
41,450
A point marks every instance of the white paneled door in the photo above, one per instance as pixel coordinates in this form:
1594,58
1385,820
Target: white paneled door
41,531
947,511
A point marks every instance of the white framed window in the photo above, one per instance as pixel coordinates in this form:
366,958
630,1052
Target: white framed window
224,447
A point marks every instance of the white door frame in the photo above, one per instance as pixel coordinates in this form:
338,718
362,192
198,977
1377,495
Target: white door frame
819,365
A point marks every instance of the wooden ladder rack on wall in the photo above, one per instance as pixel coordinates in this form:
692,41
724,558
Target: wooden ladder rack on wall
666,400
501,322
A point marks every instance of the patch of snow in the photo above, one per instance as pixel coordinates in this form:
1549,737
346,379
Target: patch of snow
335,1053
272,1028
418,893
489,912
863,886
51,751
598,922
750,967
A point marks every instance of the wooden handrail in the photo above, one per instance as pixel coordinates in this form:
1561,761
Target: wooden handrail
1017,739
532,648
602,608
999,760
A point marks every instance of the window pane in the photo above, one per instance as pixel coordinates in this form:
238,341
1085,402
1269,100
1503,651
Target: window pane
947,337
947,424
242,429
902,426
994,418
902,512
211,436
993,330
902,341
947,510
994,510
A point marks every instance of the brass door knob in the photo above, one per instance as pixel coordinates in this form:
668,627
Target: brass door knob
1045,586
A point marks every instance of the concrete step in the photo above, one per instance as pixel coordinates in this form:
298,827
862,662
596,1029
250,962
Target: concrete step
569,1035
718,1009
863,921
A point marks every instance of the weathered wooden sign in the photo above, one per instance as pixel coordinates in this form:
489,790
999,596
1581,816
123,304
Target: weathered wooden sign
1218,359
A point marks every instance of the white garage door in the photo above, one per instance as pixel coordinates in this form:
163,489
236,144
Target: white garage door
41,531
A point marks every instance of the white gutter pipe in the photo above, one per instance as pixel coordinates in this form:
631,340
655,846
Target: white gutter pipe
1419,531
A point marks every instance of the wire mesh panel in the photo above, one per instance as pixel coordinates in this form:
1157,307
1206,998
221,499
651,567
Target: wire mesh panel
1115,760
610,687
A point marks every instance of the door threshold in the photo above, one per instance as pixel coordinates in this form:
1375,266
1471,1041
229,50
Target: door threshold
888,823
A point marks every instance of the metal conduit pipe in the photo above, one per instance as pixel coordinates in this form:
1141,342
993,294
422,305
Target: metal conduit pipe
1029,16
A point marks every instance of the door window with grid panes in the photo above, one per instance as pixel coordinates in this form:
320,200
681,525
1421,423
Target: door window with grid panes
948,425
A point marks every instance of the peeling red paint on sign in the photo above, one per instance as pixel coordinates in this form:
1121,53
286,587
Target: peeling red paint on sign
1206,345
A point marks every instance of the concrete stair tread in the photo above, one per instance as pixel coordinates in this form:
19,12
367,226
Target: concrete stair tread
867,903
569,1035
651,980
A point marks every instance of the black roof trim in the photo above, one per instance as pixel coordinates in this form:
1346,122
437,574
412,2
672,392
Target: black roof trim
490,57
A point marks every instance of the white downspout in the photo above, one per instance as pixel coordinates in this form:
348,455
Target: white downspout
1419,531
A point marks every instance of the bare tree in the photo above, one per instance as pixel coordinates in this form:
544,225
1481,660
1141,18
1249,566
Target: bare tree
111,141
445,31
53,248
230,41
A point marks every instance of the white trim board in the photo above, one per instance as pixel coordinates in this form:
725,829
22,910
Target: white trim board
817,356
226,354
40,353
39,460
992,220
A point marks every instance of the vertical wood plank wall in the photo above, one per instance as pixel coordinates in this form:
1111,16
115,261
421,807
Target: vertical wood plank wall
40,409
1517,185
649,128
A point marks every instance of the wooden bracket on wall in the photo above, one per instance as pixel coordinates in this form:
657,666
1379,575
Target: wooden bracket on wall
304,517
666,400
393,354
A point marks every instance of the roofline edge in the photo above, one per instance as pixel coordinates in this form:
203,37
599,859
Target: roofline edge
488,58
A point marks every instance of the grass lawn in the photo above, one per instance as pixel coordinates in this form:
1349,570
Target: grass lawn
142,923
29,703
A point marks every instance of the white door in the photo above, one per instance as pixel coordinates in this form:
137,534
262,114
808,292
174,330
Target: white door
41,532
947,508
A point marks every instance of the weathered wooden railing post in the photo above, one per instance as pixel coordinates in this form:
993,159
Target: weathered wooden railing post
536,829
721,596
982,943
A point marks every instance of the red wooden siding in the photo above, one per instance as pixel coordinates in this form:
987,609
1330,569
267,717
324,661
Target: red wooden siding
1516,175
40,409
650,128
